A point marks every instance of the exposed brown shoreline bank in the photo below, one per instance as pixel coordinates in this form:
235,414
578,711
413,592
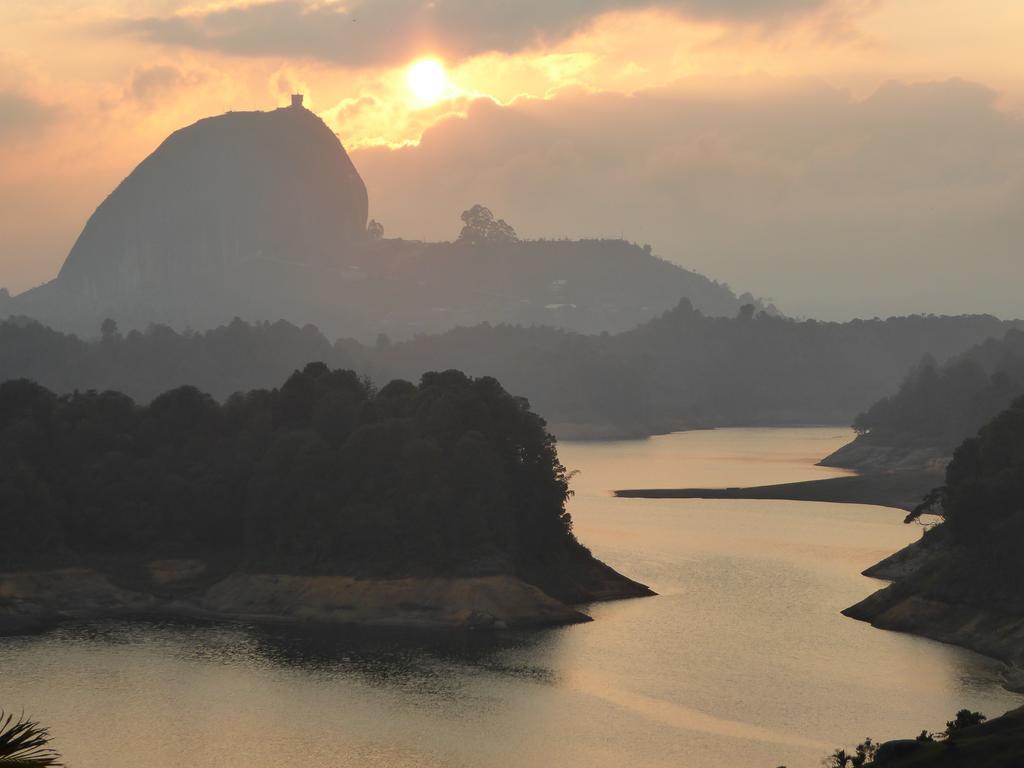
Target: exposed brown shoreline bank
902,489
906,606
899,606
911,603
32,601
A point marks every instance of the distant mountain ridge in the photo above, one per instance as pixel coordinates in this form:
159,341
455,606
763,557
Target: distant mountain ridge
937,407
262,215
683,370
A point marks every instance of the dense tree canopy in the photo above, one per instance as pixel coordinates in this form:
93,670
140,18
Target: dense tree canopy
479,227
686,369
324,474
984,487
231,358
982,507
940,405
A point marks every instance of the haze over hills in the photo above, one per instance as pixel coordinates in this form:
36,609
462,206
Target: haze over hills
685,369
681,370
262,215
361,360
936,407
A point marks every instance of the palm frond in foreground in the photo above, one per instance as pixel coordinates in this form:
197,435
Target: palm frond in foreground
25,743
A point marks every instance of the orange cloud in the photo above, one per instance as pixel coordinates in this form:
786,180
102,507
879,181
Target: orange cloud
91,88
365,33
797,191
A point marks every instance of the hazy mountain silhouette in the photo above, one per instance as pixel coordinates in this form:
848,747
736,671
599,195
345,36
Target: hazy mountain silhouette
683,369
262,215
188,210
937,407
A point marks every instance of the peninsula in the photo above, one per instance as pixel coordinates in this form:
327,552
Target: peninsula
961,582
437,505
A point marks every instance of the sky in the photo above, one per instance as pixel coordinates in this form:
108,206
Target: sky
842,158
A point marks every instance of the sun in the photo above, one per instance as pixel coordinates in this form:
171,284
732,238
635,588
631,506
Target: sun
427,81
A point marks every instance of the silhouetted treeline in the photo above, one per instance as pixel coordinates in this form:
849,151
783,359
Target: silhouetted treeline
325,475
687,369
683,369
232,358
984,491
982,504
399,287
937,406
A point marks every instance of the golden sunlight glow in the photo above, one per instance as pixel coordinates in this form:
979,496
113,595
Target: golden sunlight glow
427,81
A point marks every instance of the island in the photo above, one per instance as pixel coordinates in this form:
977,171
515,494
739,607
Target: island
440,504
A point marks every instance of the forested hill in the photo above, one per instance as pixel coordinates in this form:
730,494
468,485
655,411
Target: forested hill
962,583
683,369
231,358
938,406
326,475
402,288
687,369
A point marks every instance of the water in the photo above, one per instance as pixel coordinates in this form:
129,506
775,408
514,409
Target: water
742,660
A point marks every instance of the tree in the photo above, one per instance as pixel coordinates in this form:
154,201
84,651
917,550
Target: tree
375,230
479,226
25,744
931,504
108,330
964,719
862,755
324,474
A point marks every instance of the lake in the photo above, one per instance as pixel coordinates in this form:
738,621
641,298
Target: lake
743,658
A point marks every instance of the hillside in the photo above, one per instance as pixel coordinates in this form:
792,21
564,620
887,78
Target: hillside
998,743
231,358
962,582
970,740
686,369
936,407
682,370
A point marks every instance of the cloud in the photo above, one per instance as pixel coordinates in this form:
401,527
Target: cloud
382,32
23,116
908,200
285,81
149,83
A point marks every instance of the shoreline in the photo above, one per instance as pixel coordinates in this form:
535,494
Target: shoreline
901,489
35,601
897,606
900,606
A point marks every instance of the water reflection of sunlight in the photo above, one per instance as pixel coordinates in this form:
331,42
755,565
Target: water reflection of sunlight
704,459
681,717
742,659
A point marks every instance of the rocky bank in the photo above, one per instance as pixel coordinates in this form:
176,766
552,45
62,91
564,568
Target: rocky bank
34,600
